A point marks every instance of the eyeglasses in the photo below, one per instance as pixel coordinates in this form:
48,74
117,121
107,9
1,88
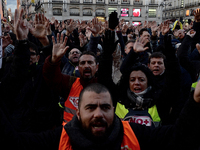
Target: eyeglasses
75,52
32,53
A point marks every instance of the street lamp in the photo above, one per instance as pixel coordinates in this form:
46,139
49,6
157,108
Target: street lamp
164,4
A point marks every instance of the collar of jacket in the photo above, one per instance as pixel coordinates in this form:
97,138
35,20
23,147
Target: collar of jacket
32,67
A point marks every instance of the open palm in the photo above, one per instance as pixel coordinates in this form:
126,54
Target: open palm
59,48
39,31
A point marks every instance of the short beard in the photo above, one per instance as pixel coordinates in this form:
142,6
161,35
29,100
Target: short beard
96,138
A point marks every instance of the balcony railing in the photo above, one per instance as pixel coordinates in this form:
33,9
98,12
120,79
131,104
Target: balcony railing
102,14
57,2
125,2
113,2
57,13
100,2
137,3
152,16
74,13
87,1
75,1
153,3
87,13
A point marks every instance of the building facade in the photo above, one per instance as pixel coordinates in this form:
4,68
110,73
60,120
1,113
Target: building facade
4,8
135,11
180,8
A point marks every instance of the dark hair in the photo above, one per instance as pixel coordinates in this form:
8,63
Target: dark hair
90,53
145,70
157,55
124,81
34,47
93,87
130,41
142,30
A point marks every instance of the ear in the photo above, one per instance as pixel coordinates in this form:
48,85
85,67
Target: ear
38,57
148,65
78,114
97,67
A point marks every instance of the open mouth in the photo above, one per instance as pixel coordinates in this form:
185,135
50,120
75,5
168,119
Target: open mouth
156,70
87,72
98,127
137,90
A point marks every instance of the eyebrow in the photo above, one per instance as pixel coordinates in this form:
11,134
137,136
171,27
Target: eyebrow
93,105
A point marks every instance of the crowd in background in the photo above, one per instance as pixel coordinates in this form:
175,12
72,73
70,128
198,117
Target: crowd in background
150,69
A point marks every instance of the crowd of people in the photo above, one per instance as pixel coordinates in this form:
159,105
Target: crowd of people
99,85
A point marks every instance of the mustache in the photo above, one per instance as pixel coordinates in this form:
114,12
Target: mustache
87,70
99,121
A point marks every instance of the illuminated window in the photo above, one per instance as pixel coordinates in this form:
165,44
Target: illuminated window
136,12
124,12
152,13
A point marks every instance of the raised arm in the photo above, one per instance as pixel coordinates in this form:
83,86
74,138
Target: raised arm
51,69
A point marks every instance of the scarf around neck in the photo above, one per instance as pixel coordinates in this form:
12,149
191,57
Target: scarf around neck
139,100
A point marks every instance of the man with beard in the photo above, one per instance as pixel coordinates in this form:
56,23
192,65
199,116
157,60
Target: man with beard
69,87
95,127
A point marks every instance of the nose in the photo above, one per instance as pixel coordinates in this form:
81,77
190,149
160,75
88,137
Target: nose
98,113
156,64
137,81
86,64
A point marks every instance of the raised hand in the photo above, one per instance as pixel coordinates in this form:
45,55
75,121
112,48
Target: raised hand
63,25
197,15
56,24
145,24
109,44
40,29
81,25
20,26
165,27
6,40
191,33
82,39
72,25
139,44
48,26
198,47
149,24
59,48
95,27
154,28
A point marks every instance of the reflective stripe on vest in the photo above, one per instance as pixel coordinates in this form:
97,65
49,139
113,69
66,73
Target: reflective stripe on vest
129,142
121,112
71,104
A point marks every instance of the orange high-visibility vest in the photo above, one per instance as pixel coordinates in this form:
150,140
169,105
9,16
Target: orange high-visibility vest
71,104
129,142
